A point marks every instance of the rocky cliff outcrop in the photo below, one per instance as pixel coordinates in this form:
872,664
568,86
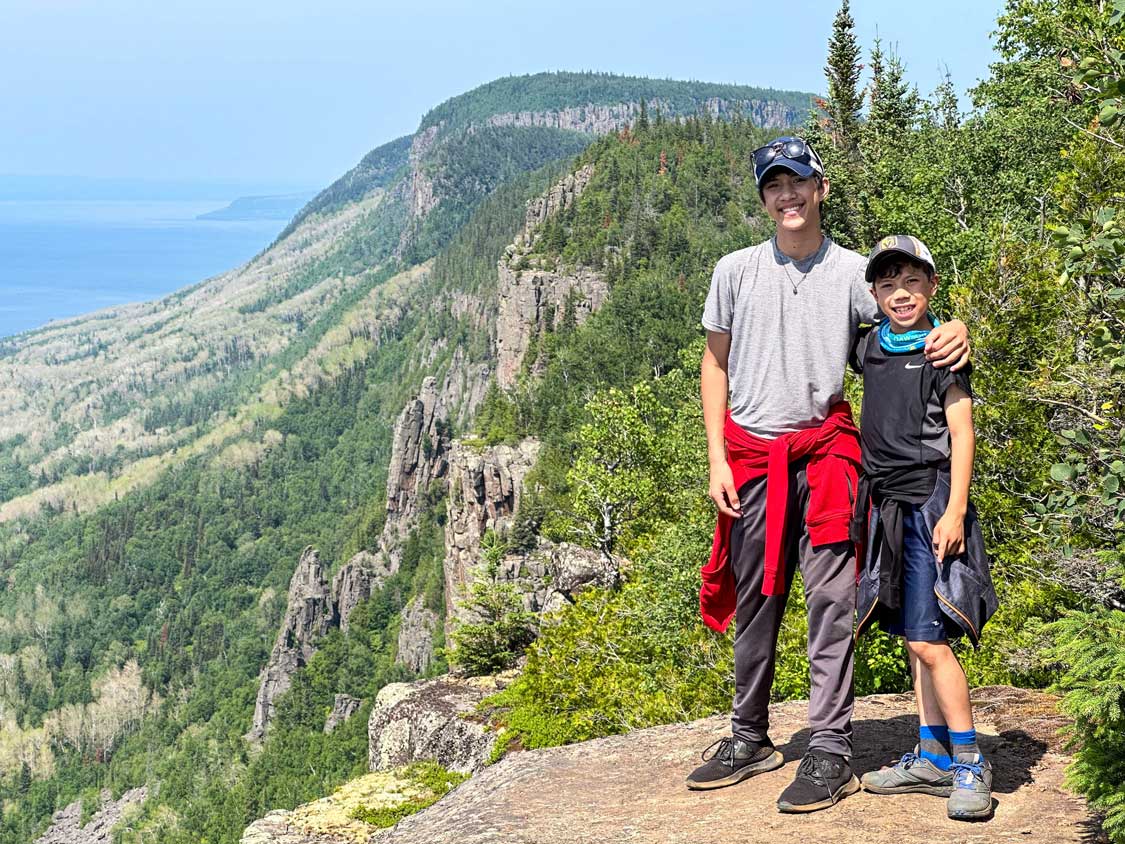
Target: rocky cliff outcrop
532,302
464,387
418,458
485,485
431,719
343,708
550,576
309,615
630,788
602,119
416,636
422,199
66,825
357,581
578,794
562,195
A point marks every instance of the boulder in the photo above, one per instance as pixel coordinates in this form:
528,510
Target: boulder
431,719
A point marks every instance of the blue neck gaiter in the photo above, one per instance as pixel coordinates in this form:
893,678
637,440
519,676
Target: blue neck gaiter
908,341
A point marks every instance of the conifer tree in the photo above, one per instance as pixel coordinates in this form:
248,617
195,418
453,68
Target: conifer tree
894,104
842,71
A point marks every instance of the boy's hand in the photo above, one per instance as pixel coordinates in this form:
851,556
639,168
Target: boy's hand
948,345
949,536
722,491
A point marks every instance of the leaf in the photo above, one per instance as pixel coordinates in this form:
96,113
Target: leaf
1111,484
1063,472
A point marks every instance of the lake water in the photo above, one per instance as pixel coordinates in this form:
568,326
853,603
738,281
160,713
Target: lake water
65,258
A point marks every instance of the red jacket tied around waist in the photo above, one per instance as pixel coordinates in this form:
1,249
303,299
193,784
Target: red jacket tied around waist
833,468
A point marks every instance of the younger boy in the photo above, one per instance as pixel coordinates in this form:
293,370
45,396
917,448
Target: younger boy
925,575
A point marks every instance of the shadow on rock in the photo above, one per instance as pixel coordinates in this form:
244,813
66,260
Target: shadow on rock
1013,753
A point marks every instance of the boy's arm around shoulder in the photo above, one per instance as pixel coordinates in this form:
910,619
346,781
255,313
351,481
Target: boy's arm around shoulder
948,345
949,532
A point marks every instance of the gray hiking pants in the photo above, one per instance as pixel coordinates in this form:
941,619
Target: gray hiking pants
829,576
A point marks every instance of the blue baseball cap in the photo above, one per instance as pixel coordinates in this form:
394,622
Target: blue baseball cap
793,154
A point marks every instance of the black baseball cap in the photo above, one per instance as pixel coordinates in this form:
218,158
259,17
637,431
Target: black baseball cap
793,154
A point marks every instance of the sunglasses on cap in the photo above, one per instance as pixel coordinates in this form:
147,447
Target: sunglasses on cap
793,149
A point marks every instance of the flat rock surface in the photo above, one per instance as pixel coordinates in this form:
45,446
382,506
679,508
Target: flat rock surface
630,788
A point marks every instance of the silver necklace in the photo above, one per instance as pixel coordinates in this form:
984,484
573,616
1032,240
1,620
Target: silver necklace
795,284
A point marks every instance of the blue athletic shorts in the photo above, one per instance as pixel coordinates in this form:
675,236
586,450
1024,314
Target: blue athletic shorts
921,618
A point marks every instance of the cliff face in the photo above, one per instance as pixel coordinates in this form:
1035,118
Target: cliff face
422,198
602,119
67,828
465,384
418,458
416,636
308,616
312,610
484,493
531,302
552,575
357,581
562,195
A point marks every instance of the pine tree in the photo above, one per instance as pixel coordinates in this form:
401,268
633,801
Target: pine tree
947,110
842,70
894,104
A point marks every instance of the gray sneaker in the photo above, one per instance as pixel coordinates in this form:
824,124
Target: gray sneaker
972,788
911,774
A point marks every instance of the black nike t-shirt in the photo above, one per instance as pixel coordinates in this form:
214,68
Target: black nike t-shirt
903,425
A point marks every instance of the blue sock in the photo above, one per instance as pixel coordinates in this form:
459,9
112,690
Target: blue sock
964,742
933,745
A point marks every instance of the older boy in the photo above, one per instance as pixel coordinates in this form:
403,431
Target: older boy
781,318
926,575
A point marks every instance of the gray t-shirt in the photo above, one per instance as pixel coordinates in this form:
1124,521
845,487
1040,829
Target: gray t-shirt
788,350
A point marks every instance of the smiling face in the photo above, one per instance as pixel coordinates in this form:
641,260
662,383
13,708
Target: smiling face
903,289
792,201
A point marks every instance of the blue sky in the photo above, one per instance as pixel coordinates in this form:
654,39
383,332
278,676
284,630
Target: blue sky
289,92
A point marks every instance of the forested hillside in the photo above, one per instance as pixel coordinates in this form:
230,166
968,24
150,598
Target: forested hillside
167,463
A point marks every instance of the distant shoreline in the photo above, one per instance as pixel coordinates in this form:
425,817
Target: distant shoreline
275,207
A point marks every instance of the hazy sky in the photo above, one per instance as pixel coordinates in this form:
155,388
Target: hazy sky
295,92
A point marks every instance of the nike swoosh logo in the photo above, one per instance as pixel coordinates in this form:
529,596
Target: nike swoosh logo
914,366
